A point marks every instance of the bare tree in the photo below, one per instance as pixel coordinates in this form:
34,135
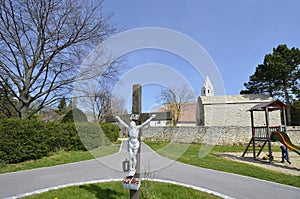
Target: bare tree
118,105
103,104
6,109
42,44
175,99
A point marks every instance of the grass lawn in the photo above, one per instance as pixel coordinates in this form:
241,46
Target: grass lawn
212,161
112,190
61,157
161,190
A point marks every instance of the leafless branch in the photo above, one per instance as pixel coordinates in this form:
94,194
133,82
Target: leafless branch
175,99
42,45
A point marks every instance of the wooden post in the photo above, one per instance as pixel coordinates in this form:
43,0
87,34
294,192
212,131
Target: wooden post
137,99
252,138
137,109
269,135
253,134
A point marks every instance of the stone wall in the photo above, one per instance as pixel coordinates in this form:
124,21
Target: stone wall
219,135
294,134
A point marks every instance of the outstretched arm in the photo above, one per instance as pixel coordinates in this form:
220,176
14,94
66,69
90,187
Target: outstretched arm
147,121
122,122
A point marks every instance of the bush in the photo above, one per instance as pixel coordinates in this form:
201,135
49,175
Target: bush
74,114
91,135
20,141
23,140
111,131
62,136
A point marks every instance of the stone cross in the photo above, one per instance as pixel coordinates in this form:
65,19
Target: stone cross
140,120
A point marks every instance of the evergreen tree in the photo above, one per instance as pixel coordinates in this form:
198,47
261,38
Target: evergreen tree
62,106
278,76
74,115
295,112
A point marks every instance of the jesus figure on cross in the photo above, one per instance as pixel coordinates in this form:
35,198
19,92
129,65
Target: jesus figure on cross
133,140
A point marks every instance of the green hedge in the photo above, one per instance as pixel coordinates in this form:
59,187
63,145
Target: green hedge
17,144
22,140
91,135
111,131
74,114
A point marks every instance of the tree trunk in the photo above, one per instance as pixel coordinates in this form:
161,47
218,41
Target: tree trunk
24,111
24,104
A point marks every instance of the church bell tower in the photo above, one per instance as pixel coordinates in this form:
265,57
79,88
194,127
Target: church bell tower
207,88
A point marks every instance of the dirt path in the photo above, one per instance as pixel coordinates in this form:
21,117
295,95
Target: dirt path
292,169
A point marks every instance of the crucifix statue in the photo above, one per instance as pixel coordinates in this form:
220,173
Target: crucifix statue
135,123
133,141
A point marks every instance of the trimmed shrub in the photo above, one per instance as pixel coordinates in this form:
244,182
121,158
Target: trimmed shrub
111,131
63,136
23,140
91,135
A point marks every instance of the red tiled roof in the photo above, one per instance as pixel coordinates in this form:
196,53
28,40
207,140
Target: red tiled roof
189,112
161,110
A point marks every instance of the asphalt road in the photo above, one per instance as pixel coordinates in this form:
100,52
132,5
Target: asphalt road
153,166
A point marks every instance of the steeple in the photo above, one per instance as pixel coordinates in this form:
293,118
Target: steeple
207,89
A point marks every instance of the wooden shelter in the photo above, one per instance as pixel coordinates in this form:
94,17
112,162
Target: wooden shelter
263,133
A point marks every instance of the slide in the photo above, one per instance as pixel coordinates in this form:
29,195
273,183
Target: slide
284,139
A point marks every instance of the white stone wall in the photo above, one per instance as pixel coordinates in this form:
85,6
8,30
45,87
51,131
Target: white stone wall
158,123
216,135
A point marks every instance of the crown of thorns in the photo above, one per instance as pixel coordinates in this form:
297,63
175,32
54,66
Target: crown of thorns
134,116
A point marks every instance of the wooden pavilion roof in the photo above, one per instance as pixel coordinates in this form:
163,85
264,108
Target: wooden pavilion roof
271,105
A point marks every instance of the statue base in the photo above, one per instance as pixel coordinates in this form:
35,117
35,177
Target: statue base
131,183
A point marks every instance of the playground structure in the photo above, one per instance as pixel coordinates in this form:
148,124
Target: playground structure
267,134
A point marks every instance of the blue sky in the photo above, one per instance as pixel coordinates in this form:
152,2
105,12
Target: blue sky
235,33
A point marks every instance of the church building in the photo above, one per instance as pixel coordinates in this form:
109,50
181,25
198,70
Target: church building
229,110
226,110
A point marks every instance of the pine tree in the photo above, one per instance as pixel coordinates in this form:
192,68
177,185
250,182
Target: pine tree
62,106
278,76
